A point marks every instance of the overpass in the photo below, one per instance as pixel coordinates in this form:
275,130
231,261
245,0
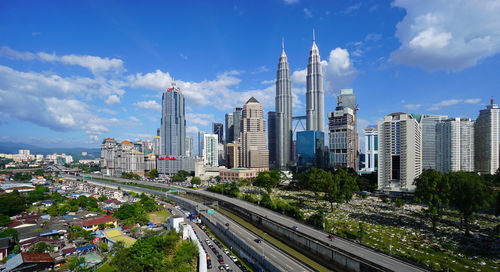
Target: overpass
339,254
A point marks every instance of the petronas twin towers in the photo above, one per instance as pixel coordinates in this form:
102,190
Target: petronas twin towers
314,104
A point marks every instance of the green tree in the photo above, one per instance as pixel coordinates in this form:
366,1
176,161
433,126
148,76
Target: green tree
11,204
317,219
124,212
433,190
468,195
267,180
331,189
153,173
8,232
4,220
42,247
195,181
347,184
39,172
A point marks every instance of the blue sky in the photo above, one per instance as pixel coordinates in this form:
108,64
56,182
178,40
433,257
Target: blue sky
73,73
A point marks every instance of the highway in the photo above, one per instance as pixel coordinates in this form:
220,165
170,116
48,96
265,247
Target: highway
355,249
202,237
280,260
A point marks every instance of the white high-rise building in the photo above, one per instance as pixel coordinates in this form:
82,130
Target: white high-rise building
211,149
486,154
189,146
315,97
371,149
455,145
400,152
428,123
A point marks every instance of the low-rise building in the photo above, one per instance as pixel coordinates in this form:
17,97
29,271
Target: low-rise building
93,224
25,261
240,173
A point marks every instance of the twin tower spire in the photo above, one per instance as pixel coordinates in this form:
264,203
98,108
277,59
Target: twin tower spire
314,103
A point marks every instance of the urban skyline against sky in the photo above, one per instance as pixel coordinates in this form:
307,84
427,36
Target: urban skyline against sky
72,74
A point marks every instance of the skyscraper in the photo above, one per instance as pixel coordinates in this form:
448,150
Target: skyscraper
347,98
173,123
254,153
400,152
237,123
428,123
486,139
455,145
283,129
189,146
210,149
315,97
218,128
272,137
229,132
201,138
310,149
371,149
342,138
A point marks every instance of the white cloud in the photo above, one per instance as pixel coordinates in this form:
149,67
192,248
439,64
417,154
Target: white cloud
373,37
192,129
307,13
445,35
13,54
52,101
202,119
472,101
95,64
299,77
452,102
290,1
412,106
271,81
260,69
150,104
352,8
339,70
112,99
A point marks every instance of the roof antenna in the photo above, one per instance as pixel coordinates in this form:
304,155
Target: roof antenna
282,43
314,37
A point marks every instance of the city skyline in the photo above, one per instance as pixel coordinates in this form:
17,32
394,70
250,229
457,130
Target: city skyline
101,74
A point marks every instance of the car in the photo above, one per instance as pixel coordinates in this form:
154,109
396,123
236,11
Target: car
209,264
331,237
221,267
221,261
295,228
257,240
226,266
234,259
225,251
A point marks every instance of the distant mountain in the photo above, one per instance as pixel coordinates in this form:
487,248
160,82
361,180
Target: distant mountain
76,152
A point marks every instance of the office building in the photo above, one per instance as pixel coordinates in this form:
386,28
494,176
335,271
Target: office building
201,138
218,128
157,145
455,145
310,149
125,157
254,153
211,149
347,98
189,147
173,134
342,138
173,123
233,151
281,155
272,137
486,156
428,123
315,97
371,149
400,152
229,132
236,124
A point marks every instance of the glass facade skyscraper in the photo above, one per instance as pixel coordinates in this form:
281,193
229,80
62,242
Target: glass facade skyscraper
310,148
173,123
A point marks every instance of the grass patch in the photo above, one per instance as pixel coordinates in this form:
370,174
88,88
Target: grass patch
274,241
106,267
159,216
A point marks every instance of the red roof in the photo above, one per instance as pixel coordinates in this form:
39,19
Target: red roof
38,239
14,224
30,216
96,221
68,250
37,257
